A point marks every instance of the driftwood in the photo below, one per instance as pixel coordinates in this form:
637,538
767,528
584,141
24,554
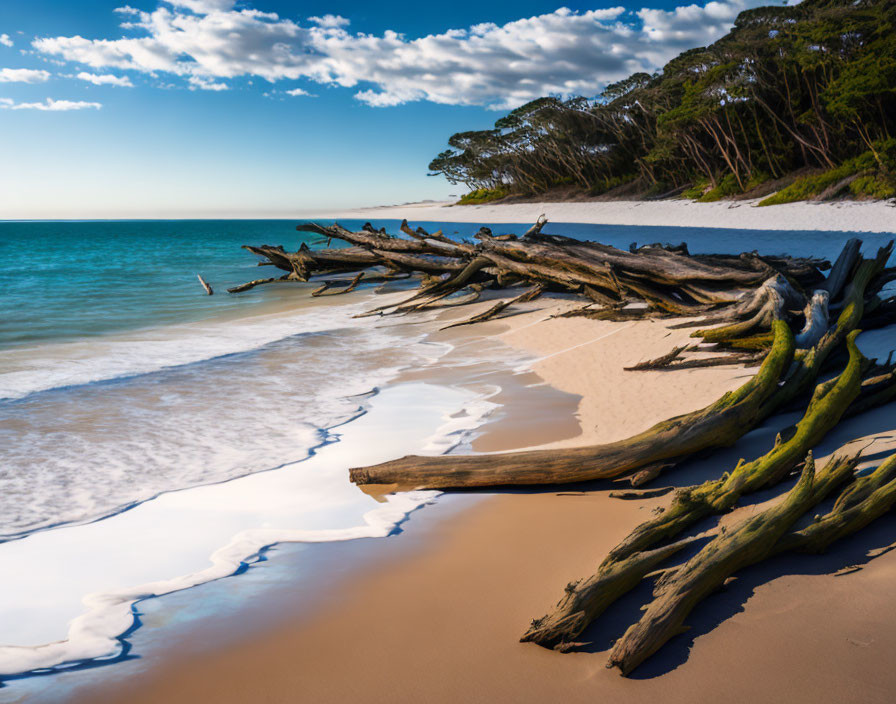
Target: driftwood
668,280
525,297
749,308
678,591
717,425
250,285
632,557
769,533
204,283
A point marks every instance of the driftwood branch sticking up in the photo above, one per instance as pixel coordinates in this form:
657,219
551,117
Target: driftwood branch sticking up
204,283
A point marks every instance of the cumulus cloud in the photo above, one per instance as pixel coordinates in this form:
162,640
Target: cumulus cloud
5,40
204,6
23,75
49,105
500,66
105,79
331,21
296,92
204,83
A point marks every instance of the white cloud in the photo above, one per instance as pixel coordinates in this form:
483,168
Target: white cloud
558,53
204,6
105,79
49,105
23,75
5,40
296,92
203,83
331,21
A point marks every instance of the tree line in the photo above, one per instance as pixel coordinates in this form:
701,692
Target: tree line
805,94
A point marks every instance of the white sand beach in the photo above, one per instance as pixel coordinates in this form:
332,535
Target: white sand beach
845,216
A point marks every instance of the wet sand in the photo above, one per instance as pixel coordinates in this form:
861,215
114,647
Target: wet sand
440,622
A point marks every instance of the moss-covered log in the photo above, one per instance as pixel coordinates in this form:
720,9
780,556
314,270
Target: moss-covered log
680,590
593,595
718,425
863,500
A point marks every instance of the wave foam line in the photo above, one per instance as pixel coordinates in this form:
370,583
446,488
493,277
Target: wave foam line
96,634
104,358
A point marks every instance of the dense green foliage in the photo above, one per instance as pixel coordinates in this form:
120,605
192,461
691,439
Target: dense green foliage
867,175
483,195
807,87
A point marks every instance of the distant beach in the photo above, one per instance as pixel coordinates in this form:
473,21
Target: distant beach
839,216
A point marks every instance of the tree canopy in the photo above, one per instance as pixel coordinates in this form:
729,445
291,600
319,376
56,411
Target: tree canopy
809,87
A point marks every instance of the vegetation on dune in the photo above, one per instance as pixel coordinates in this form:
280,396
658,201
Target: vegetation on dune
807,87
483,195
868,175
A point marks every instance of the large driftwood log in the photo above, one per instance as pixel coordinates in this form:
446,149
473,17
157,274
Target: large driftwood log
669,280
717,425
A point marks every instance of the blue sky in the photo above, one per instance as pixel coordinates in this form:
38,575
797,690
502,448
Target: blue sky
216,108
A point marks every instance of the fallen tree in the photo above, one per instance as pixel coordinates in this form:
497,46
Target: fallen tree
632,559
773,311
768,533
665,281
670,441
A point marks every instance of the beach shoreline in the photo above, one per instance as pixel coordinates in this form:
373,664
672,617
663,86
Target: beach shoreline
503,556
837,216
440,622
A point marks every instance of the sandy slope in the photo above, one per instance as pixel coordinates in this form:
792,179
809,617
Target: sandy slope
840,216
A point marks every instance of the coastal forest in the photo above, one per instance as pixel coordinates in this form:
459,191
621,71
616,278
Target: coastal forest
795,103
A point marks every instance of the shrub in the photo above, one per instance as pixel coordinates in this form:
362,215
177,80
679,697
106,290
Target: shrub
870,186
867,185
726,187
697,190
483,195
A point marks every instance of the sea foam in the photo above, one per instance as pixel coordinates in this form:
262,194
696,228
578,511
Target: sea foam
216,529
79,453
96,634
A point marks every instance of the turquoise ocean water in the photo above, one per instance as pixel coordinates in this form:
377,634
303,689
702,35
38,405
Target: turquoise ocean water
73,280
